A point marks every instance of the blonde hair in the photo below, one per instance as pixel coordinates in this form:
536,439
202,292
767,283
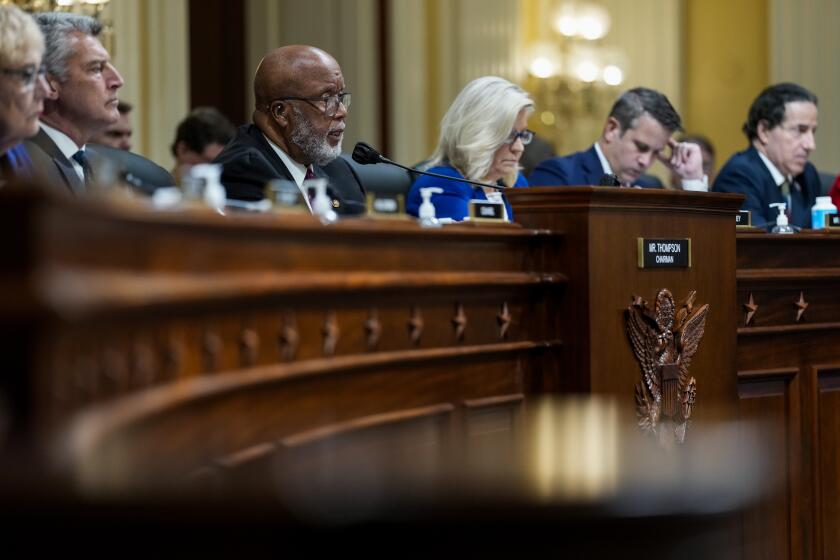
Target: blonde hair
19,36
477,124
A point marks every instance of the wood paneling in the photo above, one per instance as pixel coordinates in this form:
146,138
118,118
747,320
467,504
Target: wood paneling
599,249
721,77
208,346
802,41
216,337
151,51
828,444
779,274
770,406
217,57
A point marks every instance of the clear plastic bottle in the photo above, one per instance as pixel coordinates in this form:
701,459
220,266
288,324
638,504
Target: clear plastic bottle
782,225
321,204
820,210
426,212
209,175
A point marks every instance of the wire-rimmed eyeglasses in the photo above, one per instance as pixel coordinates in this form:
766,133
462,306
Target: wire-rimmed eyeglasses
28,74
330,102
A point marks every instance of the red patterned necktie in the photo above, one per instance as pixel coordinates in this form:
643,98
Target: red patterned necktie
310,192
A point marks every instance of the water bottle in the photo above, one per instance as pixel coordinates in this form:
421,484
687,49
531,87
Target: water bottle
820,210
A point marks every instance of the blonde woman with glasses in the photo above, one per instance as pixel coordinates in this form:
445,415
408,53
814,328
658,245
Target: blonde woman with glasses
22,89
482,137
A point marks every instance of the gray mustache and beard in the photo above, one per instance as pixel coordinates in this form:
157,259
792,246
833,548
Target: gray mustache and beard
315,148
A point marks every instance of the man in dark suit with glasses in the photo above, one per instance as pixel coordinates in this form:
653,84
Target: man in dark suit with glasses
298,125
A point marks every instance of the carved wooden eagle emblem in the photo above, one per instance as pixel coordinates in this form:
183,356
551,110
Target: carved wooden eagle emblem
664,340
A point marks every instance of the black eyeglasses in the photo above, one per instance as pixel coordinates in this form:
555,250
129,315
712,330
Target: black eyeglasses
28,74
526,136
331,102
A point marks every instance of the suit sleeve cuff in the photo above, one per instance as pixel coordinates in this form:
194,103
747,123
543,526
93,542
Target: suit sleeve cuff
701,185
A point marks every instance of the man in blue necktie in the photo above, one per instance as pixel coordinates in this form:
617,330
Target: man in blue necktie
81,102
81,99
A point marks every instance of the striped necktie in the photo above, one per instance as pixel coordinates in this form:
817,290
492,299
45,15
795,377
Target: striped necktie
785,188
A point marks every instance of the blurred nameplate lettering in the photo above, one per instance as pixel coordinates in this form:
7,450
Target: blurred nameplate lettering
487,211
286,196
664,253
382,205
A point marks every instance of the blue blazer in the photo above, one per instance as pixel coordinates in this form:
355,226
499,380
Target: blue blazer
746,174
454,201
15,163
579,168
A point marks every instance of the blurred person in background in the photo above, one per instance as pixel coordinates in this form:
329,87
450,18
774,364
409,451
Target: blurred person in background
117,135
707,150
200,137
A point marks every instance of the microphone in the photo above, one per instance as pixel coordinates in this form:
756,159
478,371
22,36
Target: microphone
365,154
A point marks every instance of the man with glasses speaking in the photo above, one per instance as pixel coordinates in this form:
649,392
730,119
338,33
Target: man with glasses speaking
298,124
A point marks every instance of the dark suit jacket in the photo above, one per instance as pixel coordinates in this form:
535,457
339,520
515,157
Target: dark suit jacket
51,164
579,168
746,174
139,172
249,162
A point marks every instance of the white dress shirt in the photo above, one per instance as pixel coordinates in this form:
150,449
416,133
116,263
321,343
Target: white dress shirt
297,170
66,146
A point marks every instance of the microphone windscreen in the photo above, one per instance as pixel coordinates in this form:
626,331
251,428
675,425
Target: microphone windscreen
365,154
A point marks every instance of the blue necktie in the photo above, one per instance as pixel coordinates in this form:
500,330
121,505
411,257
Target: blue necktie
82,159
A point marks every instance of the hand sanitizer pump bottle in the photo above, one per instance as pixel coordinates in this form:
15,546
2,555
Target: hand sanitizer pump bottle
781,220
214,194
426,212
321,204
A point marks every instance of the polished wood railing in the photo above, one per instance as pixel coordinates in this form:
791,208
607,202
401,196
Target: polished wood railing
144,345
